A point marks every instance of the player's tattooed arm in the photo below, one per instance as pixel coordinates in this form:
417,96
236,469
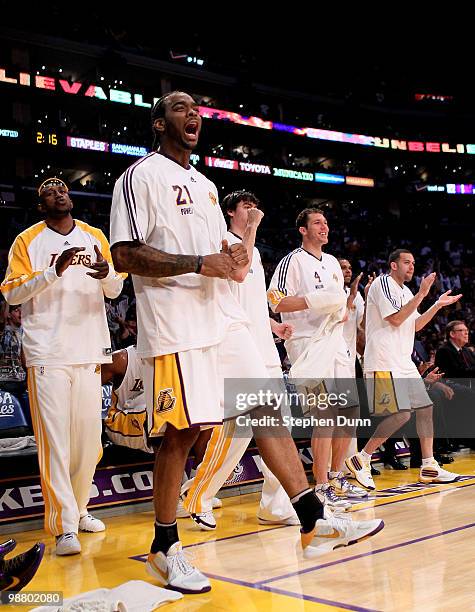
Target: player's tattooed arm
143,260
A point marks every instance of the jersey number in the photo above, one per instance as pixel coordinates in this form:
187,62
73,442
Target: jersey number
181,199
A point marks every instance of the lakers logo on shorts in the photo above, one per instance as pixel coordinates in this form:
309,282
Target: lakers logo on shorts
384,394
98,369
165,400
136,424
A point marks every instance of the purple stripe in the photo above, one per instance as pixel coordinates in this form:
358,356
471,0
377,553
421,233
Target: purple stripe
183,390
397,501
267,589
130,172
368,554
128,189
133,226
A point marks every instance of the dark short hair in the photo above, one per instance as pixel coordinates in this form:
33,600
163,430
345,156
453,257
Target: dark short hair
158,112
395,255
450,327
231,201
302,217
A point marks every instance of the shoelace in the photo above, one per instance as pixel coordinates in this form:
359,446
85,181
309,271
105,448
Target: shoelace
337,523
181,563
11,565
330,493
66,537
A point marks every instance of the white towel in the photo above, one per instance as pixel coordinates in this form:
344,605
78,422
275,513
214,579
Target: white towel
132,596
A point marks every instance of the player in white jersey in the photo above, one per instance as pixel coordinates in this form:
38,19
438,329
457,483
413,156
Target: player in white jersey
352,330
60,270
192,332
307,289
395,387
228,443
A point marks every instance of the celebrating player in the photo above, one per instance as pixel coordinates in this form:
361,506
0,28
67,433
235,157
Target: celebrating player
192,332
395,387
60,270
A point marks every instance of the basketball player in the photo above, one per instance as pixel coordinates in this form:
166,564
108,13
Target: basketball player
227,444
395,387
17,572
307,289
192,332
60,270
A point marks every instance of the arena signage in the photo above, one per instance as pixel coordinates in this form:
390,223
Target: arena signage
89,145
293,174
9,133
451,188
318,177
126,149
53,84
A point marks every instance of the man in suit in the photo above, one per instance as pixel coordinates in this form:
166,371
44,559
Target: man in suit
454,358
457,362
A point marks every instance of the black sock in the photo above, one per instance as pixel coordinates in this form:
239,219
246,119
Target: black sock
165,536
308,508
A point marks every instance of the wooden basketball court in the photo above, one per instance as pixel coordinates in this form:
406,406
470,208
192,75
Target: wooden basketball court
422,560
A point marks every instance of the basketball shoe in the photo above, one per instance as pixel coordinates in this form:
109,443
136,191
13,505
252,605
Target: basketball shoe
434,473
17,572
174,571
361,470
204,520
333,532
327,496
344,488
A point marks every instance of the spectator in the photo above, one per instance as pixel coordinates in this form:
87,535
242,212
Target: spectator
12,374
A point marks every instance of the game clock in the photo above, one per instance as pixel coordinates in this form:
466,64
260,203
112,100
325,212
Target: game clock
50,138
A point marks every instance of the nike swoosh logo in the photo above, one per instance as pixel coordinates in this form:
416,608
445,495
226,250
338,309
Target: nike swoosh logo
163,574
15,581
335,534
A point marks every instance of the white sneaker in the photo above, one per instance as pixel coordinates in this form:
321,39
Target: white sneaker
181,511
205,520
174,571
91,524
217,503
289,520
67,544
326,495
334,532
346,489
434,473
361,470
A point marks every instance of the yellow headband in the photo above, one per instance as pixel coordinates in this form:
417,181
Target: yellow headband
51,182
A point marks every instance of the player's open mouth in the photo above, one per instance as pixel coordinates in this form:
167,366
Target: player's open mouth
191,129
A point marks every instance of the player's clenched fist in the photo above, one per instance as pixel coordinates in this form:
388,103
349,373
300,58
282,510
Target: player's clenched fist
64,260
254,216
218,265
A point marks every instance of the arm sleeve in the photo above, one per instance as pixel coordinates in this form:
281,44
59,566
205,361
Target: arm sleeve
284,283
22,282
112,283
386,302
131,208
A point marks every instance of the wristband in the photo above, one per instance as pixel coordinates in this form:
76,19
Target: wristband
199,264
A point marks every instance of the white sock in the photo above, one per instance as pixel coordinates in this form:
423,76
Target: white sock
428,461
333,474
365,455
